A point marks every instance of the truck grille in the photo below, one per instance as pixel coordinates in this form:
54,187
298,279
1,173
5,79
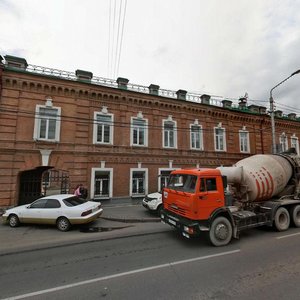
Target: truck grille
176,209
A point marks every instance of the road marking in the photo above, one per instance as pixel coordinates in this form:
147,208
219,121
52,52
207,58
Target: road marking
67,286
287,236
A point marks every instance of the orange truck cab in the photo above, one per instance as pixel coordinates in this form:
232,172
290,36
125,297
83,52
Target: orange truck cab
192,198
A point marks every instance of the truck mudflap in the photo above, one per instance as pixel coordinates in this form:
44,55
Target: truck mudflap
188,228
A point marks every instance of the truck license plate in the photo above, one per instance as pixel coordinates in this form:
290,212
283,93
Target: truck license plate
172,222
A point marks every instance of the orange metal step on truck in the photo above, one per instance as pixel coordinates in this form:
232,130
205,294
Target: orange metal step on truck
261,190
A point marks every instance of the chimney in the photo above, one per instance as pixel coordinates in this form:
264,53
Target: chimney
153,89
254,108
226,103
292,116
122,83
205,99
181,94
16,62
262,110
84,75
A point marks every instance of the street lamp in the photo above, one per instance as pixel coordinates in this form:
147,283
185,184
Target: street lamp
272,110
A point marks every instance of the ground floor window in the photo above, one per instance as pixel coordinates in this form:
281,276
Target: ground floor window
139,182
101,184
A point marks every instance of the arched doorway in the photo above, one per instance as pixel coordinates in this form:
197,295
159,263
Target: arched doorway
42,181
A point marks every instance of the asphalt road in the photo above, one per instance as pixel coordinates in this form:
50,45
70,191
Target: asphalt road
261,265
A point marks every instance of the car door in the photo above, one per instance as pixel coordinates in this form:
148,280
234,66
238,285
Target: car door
210,197
33,212
51,211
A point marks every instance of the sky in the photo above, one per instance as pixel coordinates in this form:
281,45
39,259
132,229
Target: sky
217,47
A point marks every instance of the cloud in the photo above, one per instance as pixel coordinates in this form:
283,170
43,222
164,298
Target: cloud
222,48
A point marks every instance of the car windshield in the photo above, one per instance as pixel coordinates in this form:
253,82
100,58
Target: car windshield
73,201
182,182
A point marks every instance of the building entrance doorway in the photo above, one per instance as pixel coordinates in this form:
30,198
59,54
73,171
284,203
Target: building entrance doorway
42,181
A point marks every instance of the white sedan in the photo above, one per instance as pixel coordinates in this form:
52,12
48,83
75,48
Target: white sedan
61,210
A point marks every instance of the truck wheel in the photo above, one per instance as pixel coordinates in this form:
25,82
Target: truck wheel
295,215
158,210
282,219
220,232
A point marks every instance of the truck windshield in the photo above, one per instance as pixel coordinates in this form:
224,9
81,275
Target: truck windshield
182,182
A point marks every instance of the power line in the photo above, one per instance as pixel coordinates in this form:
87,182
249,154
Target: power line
117,13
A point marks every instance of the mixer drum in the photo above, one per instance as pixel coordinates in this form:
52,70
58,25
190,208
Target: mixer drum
264,175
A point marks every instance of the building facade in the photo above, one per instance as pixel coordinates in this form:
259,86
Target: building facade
59,129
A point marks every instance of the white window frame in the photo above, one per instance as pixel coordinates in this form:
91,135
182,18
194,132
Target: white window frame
132,170
111,128
244,140
110,171
283,141
223,138
39,118
167,132
192,137
134,127
295,143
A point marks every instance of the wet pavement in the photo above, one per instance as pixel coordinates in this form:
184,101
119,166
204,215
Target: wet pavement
118,220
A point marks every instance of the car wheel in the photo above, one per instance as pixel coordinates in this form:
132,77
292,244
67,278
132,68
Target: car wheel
63,224
13,221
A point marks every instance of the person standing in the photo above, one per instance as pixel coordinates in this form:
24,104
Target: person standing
78,190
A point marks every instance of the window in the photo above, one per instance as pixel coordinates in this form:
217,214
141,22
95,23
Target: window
39,203
73,201
138,132
208,184
102,182
103,128
182,182
220,141
196,137
283,141
52,203
169,134
47,123
244,141
295,143
138,183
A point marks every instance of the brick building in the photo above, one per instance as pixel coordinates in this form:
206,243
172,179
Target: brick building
59,129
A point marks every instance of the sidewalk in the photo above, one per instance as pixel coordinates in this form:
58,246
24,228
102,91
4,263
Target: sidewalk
118,220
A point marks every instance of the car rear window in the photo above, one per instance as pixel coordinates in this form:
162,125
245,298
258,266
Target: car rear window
73,201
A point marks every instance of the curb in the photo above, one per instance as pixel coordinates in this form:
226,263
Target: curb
131,220
77,242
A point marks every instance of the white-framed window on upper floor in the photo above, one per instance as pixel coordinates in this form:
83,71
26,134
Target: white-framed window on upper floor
139,131
220,138
295,143
244,140
47,122
283,141
103,127
196,136
169,133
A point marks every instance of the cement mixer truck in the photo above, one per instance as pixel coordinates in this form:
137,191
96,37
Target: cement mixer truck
261,190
